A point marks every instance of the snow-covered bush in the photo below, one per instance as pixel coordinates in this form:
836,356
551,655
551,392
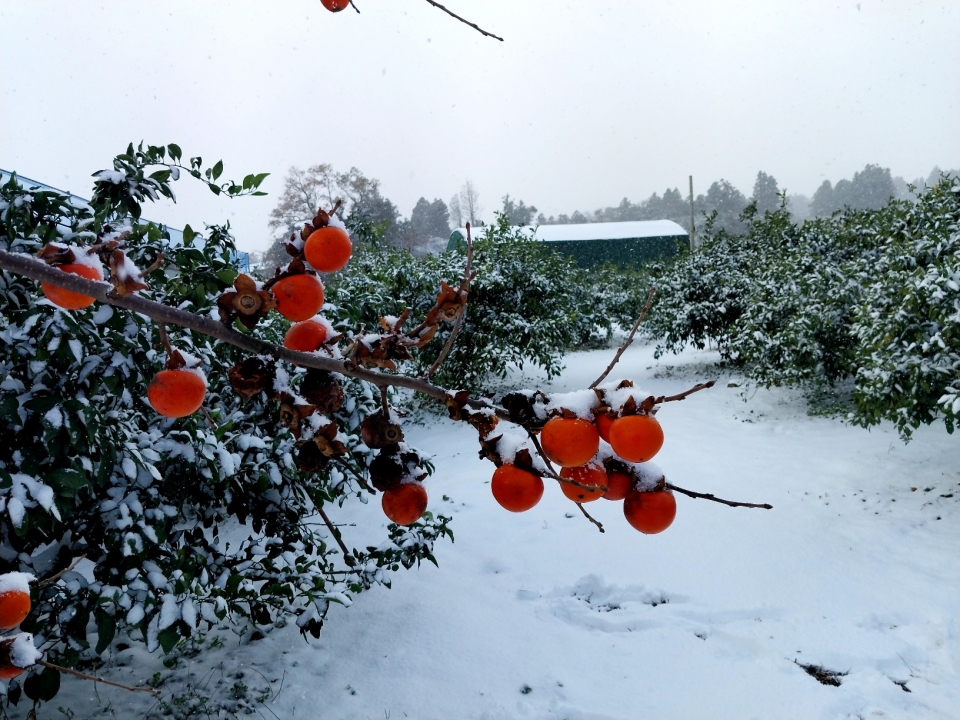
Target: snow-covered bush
527,304
870,297
187,523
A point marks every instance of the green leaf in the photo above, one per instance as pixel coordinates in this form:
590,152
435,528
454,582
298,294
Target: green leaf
227,276
215,189
9,407
67,482
41,404
43,686
106,630
218,169
174,151
168,638
188,235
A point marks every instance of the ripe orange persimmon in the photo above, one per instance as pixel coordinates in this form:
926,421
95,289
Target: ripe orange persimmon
515,489
10,671
618,485
328,249
636,438
299,297
569,442
586,475
67,299
603,423
405,503
14,607
335,5
176,393
650,512
305,336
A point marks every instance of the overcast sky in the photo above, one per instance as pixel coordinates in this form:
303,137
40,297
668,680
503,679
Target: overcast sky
583,104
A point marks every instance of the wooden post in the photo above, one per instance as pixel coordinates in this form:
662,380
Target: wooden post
692,229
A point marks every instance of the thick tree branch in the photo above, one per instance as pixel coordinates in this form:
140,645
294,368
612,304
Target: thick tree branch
465,22
628,341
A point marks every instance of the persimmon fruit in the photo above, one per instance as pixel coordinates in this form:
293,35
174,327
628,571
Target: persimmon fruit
328,249
586,475
10,671
405,503
636,438
305,336
650,512
14,607
335,5
603,423
67,299
299,297
515,489
176,393
618,485
569,442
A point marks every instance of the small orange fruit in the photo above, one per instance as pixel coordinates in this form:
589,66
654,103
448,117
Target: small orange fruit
618,485
603,423
10,671
515,489
305,336
67,299
335,5
585,475
636,438
569,442
299,297
176,393
405,503
14,607
650,512
328,249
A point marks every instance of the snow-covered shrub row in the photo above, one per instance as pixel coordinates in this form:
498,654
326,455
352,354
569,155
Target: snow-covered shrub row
871,297
527,304
188,524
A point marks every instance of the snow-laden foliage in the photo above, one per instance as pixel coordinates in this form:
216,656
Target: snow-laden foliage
527,305
187,523
869,298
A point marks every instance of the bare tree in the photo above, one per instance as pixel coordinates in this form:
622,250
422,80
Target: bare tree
456,215
470,207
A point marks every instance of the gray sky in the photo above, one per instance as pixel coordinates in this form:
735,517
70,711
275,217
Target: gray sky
583,104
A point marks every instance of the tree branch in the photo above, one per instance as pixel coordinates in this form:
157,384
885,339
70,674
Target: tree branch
711,496
589,517
628,341
696,388
94,678
467,277
465,22
53,578
348,557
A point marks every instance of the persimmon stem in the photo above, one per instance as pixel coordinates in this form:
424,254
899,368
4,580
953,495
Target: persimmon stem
465,22
628,341
465,287
53,578
714,498
94,678
357,475
384,401
589,517
165,339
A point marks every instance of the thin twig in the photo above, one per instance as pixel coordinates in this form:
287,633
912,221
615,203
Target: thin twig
357,475
711,496
628,341
358,12
556,476
94,678
696,388
206,414
156,265
53,578
466,22
384,402
347,557
465,287
590,518
165,339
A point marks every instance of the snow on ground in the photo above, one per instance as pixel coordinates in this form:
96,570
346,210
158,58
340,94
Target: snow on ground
856,569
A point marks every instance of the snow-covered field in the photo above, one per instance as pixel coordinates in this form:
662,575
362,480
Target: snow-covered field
856,569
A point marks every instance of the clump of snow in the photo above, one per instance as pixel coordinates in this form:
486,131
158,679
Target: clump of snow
617,398
84,257
126,270
111,176
648,475
23,653
16,582
579,402
337,223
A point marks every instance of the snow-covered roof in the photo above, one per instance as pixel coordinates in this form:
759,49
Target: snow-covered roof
597,231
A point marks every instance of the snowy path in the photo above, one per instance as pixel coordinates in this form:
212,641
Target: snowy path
539,615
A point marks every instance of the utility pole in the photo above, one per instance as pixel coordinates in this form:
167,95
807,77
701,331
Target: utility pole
692,229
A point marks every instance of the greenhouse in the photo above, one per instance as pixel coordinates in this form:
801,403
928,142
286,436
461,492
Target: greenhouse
590,244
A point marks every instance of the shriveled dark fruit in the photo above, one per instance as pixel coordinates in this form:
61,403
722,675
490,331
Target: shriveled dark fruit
386,470
251,376
310,459
323,390
377,431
